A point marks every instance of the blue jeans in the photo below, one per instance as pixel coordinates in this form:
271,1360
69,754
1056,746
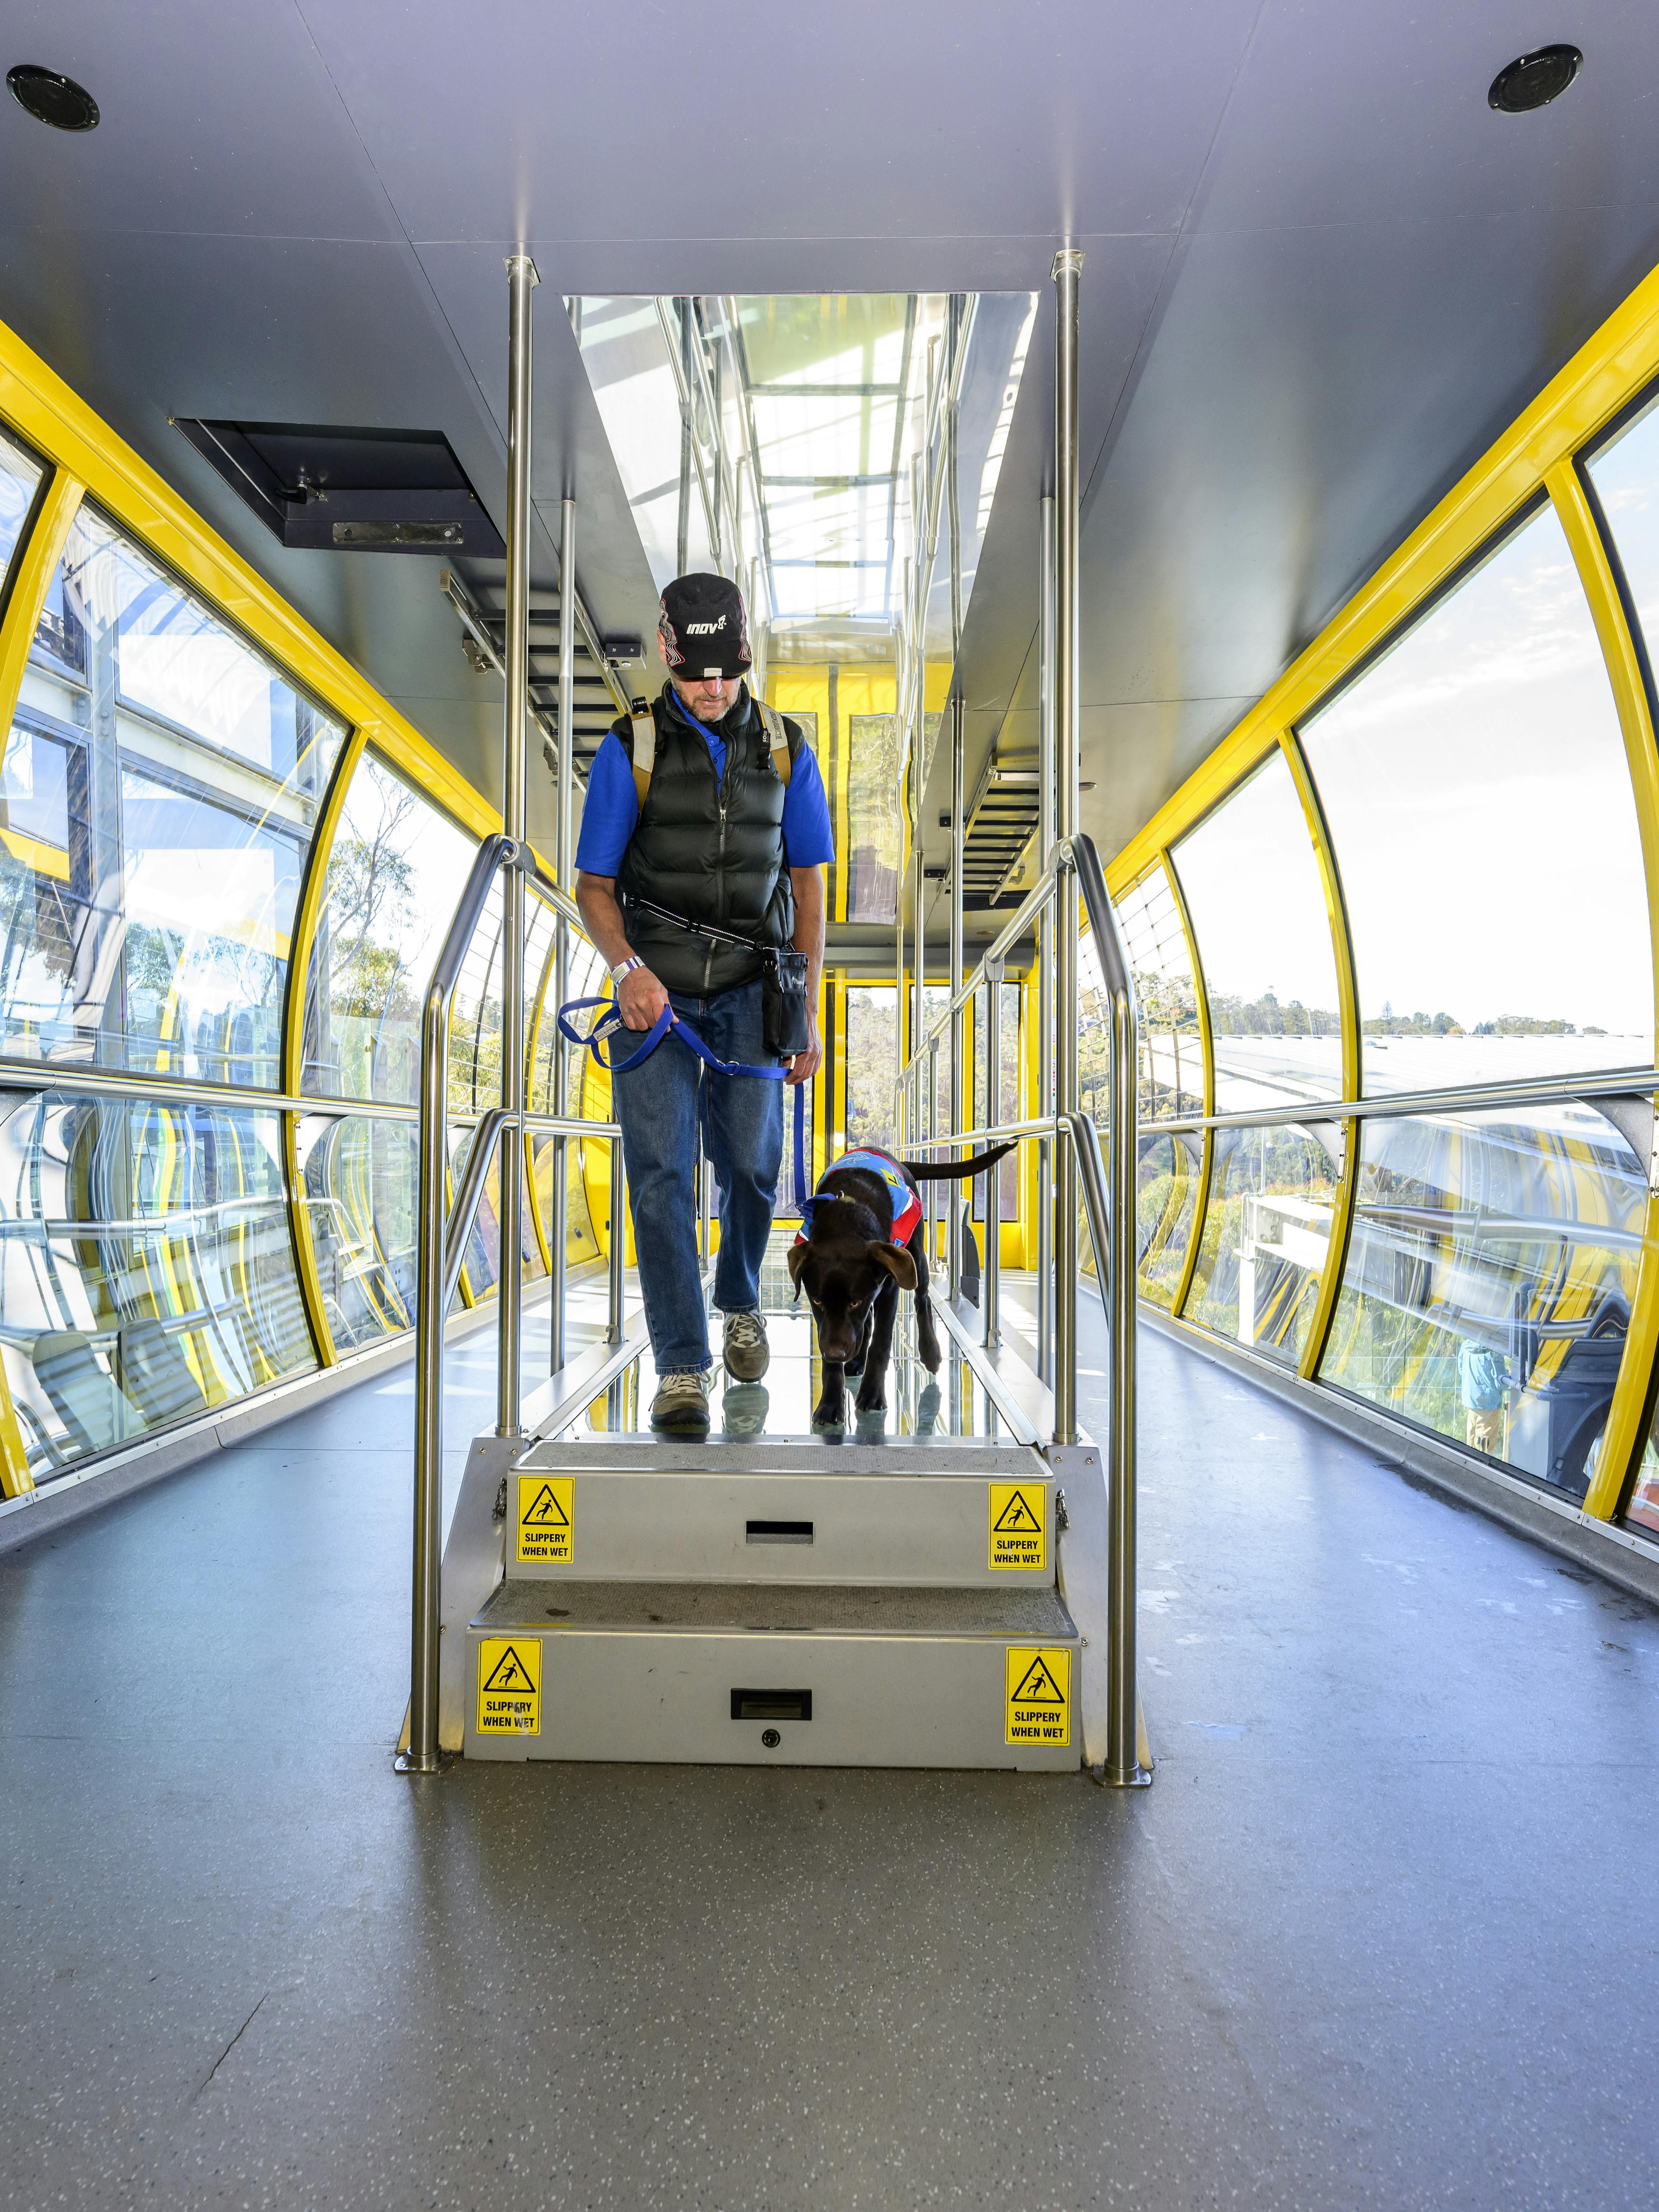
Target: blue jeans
658,1104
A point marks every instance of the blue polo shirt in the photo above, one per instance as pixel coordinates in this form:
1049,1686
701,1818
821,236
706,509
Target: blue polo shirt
610,810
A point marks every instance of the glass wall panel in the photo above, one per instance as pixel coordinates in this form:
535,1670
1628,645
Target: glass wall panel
148,1271
871,1013
1476,784
1007,1107
1642,1515
1165,1191
1489,1274
1266,1230
1171,1050
357,1177
394,876
1250,879
160,785
875,812
20,479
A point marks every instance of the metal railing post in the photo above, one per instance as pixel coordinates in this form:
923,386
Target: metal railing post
953,1194
991,1276
706,1206
613,1333
430,1302
1067,264
1123,1767
421,1757
520,281
1044,1103
558,1226
935,1191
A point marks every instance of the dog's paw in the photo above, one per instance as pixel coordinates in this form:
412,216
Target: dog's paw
876,1402
826,1416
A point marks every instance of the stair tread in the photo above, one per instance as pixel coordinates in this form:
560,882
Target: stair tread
1034,1614
925,1457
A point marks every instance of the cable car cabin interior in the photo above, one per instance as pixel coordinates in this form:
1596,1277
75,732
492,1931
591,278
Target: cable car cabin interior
829,1223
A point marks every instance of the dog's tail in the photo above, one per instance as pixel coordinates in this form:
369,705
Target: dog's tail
955,1171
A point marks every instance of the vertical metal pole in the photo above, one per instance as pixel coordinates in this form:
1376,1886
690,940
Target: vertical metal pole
613,1333
954,1192
991,1279
421,1757
683,530
706,1203
557,1222
1044,1103
1067,264
520,281
930,1191
916,707
718,428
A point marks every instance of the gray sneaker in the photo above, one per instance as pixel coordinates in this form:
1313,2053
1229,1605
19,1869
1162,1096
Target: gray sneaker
682,1402
746,1351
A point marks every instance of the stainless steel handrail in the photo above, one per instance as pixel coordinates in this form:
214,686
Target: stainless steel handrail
1027,912
1461,1098
464,1211
431,1302
441,1237
1107,1190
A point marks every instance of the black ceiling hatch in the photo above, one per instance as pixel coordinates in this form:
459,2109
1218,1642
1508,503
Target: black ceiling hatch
350,491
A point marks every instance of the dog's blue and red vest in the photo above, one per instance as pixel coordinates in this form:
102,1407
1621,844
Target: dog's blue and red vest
907,1203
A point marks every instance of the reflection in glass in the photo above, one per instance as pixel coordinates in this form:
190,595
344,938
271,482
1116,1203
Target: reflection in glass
872,1011
806,411
1266,1230
1479,800
357,1181
148,1271
161,781
1007,1107
1489,1274
20,479
1251,880
395,874
1165,1192
1171,1050
1643,1514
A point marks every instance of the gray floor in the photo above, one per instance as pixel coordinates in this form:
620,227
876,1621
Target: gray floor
1382,1933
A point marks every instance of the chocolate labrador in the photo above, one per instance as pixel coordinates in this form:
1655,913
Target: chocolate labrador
865,1240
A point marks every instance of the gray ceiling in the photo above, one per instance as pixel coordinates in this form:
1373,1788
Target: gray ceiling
1321,276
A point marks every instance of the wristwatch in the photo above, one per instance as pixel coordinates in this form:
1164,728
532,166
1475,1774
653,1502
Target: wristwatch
625,968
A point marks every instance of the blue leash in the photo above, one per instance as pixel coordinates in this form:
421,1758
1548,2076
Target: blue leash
610,1026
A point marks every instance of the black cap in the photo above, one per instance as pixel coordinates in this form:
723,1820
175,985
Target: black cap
703,629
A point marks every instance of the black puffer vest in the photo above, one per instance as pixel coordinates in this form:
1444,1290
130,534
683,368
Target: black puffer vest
711,849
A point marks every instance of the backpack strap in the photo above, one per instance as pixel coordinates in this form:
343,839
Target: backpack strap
645,747
778,737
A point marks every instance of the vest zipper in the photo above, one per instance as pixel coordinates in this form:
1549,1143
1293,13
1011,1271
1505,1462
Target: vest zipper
708,957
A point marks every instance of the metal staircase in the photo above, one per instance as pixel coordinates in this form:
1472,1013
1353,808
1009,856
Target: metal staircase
929,1599
802,1602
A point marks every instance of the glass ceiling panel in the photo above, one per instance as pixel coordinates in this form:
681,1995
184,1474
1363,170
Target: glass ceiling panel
804,413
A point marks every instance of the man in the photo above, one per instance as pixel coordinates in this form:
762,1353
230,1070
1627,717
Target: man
718,838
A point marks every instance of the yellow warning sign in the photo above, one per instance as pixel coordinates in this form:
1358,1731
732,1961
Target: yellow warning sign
510,1686
1019,1524
547,1517
1039,1695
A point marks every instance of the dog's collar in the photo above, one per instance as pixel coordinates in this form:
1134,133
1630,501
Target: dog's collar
810,1208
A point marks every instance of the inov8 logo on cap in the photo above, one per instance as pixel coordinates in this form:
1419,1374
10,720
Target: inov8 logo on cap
703,629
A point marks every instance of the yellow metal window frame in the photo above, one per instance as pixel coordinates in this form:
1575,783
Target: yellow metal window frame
84,457
1541,451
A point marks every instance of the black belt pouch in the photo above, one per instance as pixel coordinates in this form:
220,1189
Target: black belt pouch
784,1023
